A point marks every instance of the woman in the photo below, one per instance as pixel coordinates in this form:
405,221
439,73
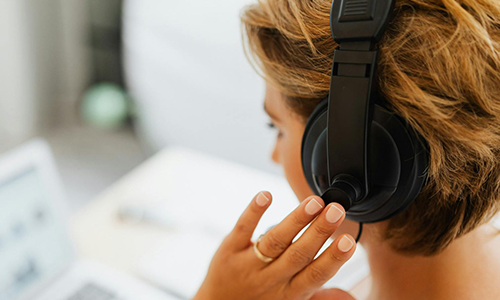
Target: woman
439,68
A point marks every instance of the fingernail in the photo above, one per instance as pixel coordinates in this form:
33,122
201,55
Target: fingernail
262,200
313,207
333,214
345,244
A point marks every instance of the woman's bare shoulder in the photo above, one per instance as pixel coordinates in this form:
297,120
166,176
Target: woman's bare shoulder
362,289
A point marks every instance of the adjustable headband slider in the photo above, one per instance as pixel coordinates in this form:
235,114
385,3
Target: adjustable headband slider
352,63
360,20
350,114
356,10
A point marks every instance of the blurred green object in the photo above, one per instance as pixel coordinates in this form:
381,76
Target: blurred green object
105,105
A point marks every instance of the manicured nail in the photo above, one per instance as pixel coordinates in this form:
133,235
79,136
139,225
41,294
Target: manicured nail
333,214
313,207
345,244
262,200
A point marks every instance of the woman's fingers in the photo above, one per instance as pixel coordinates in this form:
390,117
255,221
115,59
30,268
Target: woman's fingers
242,232
325,266
277,240
302,252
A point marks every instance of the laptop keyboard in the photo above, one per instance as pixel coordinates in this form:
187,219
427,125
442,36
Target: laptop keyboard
92,291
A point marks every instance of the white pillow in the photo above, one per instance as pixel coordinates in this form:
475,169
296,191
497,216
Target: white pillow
185,67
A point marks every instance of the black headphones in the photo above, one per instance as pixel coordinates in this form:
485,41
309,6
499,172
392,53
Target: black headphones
354,150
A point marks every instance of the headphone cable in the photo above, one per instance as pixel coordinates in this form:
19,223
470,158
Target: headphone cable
359,231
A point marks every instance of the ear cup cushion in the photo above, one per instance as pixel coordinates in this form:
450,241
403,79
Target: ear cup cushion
316,125
397,162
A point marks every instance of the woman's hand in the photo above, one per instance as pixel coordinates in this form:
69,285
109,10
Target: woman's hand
237,273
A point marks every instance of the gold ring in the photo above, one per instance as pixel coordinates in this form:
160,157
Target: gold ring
261,256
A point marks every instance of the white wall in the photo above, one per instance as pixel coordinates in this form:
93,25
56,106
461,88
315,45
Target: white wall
45,47
17,80
76,58
44,66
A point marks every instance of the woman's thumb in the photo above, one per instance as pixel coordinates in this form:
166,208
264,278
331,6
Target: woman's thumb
332,294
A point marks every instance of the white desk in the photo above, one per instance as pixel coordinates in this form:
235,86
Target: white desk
199,190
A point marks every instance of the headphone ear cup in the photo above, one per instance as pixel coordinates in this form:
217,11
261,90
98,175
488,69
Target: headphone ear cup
397,163
318,166
314,151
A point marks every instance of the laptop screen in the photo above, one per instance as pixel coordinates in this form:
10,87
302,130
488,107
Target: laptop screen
34,244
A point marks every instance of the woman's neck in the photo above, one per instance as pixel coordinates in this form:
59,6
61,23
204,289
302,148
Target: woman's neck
469,268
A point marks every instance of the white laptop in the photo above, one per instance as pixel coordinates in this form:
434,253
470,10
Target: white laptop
37,259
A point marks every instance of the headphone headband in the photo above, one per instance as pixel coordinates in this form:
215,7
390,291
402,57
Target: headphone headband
355,25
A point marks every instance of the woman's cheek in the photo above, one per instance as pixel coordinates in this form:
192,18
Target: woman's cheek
292,165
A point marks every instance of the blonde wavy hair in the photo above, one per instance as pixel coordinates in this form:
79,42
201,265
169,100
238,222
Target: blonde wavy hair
439,68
